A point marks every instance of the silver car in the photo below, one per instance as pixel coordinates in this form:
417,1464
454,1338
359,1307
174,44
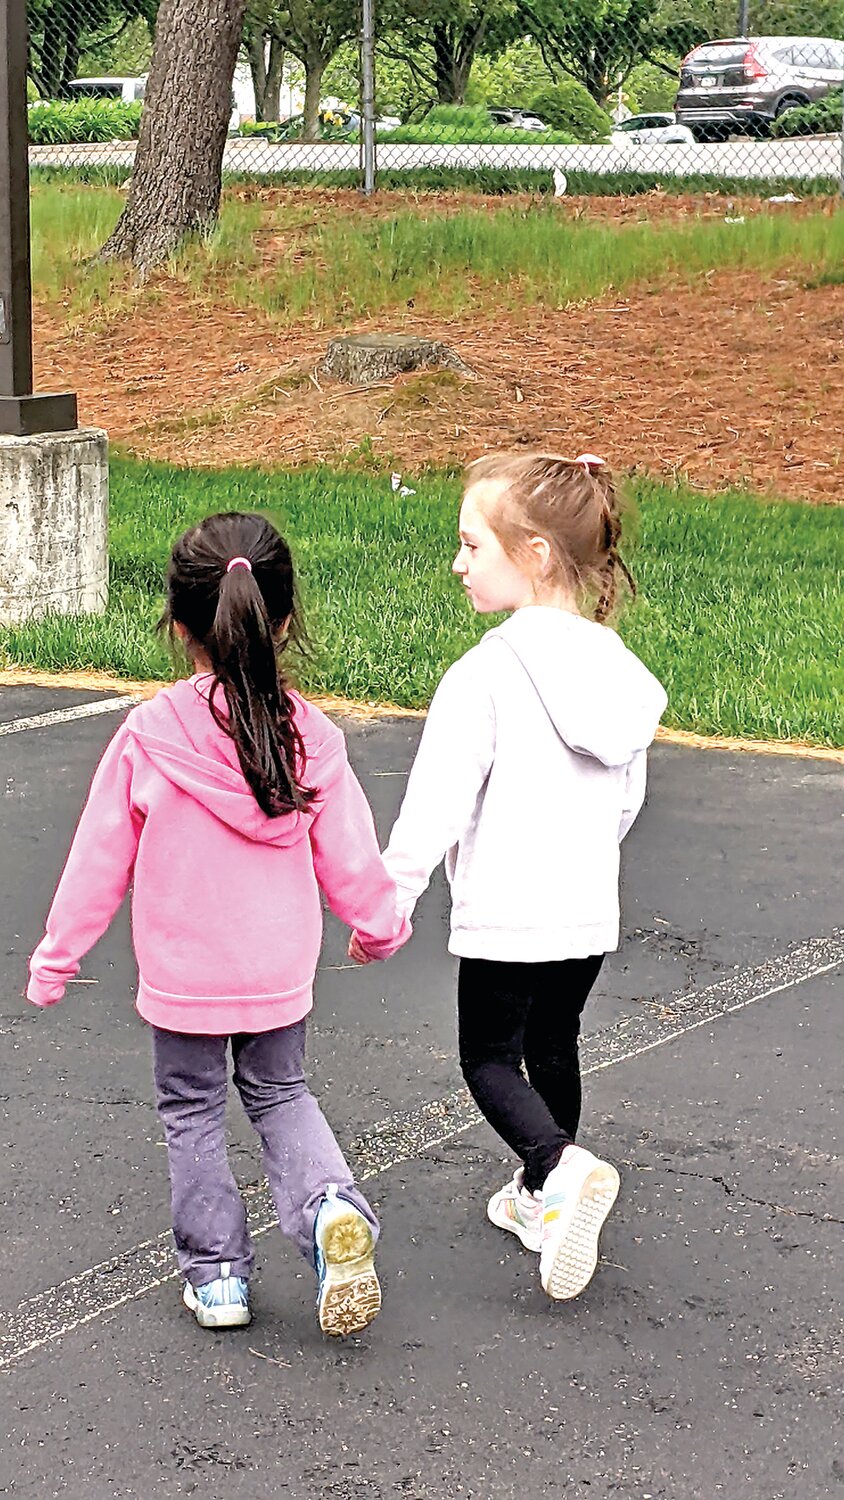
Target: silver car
744,84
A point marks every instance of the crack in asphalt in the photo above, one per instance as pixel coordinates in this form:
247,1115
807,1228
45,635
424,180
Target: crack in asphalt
732,1191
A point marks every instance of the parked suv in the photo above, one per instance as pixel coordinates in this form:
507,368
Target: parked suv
744,84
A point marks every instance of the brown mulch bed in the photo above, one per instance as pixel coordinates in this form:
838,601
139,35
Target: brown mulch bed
730,381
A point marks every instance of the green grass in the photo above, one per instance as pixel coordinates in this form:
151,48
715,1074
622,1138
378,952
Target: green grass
70,223
532,256
350,267
495,181
741,607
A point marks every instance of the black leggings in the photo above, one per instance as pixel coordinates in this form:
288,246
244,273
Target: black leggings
513,1014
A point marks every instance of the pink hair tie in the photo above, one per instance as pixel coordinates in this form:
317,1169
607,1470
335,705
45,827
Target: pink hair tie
239,562
590,461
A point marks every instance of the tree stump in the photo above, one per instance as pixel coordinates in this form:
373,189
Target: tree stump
363,358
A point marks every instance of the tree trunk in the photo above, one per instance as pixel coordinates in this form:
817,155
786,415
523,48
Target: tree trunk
267,73
73,36
315,66
454,54
52,53
256,53
444,65
275,77
177,176
363,358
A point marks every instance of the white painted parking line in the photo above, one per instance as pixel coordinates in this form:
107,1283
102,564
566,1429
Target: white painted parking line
67,715
100,1289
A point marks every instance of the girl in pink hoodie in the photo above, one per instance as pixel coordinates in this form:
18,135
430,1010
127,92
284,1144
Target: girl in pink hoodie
228,804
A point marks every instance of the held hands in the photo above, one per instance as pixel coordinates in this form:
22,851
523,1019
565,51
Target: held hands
356,952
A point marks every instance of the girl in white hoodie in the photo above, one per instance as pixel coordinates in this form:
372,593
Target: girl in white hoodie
530,771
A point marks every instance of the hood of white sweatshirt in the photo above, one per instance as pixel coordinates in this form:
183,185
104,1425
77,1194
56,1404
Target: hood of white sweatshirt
600,697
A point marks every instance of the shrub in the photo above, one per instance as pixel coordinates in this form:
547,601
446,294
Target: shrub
65,122
568,106
469,124
821,118
334,125
649,89
462,120
510,78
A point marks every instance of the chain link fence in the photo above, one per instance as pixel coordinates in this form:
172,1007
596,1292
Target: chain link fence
495,94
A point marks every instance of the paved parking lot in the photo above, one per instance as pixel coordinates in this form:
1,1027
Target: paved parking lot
704,1360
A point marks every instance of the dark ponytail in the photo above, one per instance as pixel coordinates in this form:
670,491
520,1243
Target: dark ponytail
236,616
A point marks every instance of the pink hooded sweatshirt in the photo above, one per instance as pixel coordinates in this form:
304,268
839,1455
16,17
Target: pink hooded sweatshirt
226,910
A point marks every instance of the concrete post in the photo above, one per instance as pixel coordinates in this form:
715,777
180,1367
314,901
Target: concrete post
53,524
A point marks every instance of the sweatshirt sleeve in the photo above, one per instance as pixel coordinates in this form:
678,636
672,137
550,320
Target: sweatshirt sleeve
634,792
95,878
452,764
349,866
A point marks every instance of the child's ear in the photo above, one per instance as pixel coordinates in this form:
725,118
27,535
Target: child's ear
541,553
181,630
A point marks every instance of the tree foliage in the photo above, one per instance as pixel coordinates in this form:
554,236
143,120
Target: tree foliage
314,31
61,32
439,40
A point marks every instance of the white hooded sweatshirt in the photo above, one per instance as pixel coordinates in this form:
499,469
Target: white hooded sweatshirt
530,771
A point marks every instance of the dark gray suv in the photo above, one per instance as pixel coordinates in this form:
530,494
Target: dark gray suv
743,84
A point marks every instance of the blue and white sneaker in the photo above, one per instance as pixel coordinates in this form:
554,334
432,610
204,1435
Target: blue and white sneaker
223,1303
349,1296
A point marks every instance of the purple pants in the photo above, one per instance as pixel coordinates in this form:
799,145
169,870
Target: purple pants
301,1156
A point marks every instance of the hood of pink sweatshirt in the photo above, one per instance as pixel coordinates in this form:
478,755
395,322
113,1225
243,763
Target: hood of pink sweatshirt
180,736
226,908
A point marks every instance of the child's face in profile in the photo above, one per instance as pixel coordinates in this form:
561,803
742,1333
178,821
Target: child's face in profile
492,580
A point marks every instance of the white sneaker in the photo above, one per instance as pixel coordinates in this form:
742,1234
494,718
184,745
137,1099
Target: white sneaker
576,1198
518,1210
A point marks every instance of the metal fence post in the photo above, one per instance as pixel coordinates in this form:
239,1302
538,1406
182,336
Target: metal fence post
841,164
744,18
367,62
21,413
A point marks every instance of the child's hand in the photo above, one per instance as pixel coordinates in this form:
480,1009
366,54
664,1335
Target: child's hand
356,952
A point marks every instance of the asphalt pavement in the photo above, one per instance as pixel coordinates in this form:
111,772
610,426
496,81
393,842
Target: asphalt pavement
704,1359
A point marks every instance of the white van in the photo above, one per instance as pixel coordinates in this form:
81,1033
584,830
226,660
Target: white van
130,90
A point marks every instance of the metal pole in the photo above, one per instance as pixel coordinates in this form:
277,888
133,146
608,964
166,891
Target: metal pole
367,66
841,167
21,413
744,18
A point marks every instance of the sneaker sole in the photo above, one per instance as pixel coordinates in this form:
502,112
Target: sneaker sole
215,1317
576,1256
503,1221
351,1295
